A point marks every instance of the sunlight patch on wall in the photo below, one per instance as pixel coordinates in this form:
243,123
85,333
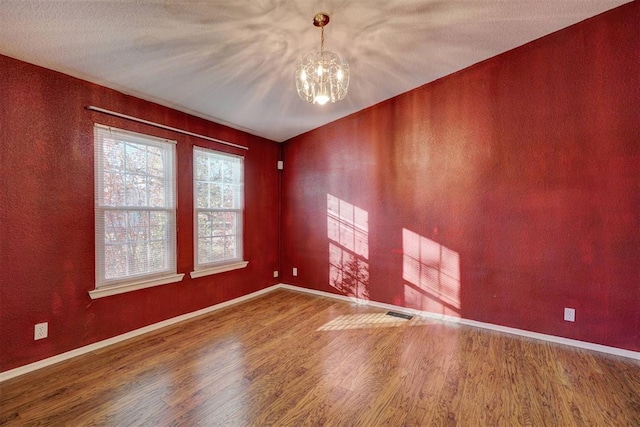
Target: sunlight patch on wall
348,232
432,275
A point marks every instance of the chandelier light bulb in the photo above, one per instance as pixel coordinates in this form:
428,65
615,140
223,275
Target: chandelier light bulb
321,99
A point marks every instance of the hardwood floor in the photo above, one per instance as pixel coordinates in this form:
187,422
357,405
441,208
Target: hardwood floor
291,359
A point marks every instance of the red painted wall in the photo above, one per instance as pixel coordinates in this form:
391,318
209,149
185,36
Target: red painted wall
502,193
47,222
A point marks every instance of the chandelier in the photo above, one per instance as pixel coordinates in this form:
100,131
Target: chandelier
321,75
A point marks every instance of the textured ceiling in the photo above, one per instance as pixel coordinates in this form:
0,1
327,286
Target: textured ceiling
232,61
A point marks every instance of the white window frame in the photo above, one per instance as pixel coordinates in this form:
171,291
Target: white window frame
127,282
205,268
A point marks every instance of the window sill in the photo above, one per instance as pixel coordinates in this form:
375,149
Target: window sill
219,269
134,286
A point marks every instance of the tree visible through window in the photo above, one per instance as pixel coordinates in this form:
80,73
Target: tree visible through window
135,206
218,199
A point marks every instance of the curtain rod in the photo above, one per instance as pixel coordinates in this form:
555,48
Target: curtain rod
158,125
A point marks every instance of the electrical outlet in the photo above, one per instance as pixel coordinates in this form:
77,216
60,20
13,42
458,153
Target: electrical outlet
40,331
275,273
295,271
570,314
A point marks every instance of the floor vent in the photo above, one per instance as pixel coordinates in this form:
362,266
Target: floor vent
401,315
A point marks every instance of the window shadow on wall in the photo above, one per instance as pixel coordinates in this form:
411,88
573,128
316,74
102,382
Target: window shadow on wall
432,275
348,233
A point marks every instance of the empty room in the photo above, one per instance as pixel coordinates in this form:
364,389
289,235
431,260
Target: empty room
331,213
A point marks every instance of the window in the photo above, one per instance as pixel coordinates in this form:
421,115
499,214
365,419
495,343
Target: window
218,193
135,209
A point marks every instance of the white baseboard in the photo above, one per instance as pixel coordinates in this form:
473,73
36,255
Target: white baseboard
505,329
21,370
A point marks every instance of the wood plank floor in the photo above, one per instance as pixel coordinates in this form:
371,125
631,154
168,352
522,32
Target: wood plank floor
291,359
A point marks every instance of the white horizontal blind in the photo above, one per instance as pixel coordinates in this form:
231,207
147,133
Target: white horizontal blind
218,202
135,206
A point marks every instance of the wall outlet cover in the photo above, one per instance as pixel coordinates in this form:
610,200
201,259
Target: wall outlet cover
570,314
40,331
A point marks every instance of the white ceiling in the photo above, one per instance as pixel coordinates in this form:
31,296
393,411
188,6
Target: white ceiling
232,61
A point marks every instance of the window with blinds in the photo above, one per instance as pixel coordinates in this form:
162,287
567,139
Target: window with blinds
135,209
218,204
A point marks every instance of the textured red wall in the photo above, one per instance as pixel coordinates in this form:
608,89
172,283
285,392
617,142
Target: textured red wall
502,193
46,215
